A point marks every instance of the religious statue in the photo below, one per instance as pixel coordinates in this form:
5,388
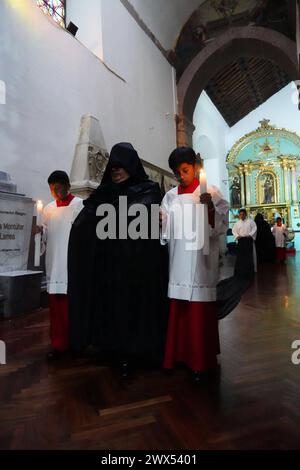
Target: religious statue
235,189
268,190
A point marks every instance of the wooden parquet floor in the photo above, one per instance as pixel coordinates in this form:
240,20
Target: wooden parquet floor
253,402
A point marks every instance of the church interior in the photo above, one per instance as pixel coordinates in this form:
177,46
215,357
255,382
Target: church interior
220,76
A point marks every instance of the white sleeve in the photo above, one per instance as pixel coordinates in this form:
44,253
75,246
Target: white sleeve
165,224
253,230
221,221
221,212
235,232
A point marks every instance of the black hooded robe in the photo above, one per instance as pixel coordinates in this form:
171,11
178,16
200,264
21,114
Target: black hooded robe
118,287
265,241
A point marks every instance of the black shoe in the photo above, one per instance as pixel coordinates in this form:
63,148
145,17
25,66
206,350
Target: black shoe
198,377
124,370
206,375
55,354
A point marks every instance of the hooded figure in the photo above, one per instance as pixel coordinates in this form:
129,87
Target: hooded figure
117,285
265,243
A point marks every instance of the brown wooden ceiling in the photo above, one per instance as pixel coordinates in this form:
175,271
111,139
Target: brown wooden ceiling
243,85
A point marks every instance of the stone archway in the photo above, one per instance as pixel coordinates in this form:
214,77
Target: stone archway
249,41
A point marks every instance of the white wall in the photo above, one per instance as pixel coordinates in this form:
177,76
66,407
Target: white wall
209,139
149,83
281,109
86,15
52,80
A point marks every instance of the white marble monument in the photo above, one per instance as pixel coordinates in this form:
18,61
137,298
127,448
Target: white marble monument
15,230
19,286
90,157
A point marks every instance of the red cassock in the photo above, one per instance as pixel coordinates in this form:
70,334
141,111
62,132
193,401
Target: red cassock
193,336
59,309
280,253
59,321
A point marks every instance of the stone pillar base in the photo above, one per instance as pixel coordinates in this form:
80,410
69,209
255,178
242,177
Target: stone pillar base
21,291
83,188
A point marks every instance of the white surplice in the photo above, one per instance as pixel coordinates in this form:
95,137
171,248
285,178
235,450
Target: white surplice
280,234
192,275
57,223
246,228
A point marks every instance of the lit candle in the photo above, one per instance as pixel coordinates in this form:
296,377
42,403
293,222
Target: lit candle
37,237
39,210
203,182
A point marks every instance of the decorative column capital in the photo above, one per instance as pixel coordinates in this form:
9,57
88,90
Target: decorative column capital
247,169
285,166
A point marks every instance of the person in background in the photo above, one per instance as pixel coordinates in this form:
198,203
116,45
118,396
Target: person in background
280,233
244,231
264,243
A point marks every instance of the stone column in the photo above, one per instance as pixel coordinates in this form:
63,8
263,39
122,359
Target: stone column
185,129
286,182
294,184
241,173
248,185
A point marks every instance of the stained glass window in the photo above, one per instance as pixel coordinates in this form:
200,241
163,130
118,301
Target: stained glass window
54,8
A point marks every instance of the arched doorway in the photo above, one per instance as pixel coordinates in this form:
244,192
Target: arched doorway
235,42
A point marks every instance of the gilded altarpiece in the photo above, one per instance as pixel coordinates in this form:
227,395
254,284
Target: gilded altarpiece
264,175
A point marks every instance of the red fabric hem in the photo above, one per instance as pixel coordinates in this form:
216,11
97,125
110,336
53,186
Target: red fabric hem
280,254
193,336
59,321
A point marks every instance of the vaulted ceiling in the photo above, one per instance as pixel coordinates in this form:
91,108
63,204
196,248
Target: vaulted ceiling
214,17
243,85
185,27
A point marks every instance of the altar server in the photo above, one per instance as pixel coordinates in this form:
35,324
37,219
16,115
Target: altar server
280,233
244,231
57,220
192,337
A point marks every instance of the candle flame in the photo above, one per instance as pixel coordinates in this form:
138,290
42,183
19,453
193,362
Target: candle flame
39,205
